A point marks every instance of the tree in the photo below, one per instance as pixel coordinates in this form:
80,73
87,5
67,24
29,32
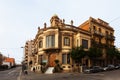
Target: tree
77,54
113,53
94,53
118,54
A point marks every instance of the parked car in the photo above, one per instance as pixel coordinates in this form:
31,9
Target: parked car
109,67
117,66
93,69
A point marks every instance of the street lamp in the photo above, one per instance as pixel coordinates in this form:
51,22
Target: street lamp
23,52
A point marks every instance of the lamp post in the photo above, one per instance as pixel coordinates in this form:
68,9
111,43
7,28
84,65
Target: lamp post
23,52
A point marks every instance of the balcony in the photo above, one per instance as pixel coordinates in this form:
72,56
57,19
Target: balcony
35,51
97,33
110,37
52,49
98,44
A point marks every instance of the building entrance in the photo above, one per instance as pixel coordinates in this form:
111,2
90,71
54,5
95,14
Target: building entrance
52,58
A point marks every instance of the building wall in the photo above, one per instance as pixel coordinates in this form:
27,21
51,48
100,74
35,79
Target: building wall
61,31
101,34
74,36
29,59
1,59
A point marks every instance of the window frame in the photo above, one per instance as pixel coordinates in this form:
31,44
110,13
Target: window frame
85,43
40,44
65,58
50,41
66,41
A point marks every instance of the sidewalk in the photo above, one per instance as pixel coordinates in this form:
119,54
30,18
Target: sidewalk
30,76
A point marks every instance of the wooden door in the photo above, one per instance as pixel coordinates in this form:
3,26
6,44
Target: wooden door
52,60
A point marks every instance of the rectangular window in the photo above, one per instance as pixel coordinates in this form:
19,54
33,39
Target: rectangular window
40,59
65,58
77,43
85,43
50,41
66,41
68,58
40,44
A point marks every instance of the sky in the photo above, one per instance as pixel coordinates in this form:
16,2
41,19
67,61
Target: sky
19,19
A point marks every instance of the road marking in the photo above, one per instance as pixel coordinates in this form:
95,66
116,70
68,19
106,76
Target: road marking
100,74
11,71
19,77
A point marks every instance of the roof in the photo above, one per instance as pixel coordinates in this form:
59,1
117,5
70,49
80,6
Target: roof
9,60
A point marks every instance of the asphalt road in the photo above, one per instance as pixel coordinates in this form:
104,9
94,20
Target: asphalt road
15,73
108,75
11,74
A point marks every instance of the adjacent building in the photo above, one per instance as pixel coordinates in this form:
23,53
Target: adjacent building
28,56
102,36
1,58
11,61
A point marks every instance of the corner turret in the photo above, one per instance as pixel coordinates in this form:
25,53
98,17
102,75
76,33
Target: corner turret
54,21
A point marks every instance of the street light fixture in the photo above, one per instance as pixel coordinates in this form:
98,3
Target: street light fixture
23,52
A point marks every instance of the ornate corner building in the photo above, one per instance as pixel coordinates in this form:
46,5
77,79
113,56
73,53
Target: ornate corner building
57,40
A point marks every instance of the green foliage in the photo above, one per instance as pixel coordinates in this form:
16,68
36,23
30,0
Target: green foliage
111,52
77,53
118,54
94,52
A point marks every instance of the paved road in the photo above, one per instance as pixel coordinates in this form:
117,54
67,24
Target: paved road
11,74
109,75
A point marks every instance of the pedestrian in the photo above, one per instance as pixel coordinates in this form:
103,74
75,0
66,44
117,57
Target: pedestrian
25,71
23,67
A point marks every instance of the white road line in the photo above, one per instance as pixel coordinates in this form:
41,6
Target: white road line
11,71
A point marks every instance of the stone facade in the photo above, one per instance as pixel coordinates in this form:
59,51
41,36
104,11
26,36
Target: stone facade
54,42
102,36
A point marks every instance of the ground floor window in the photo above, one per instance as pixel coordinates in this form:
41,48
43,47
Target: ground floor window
65,58
40,59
